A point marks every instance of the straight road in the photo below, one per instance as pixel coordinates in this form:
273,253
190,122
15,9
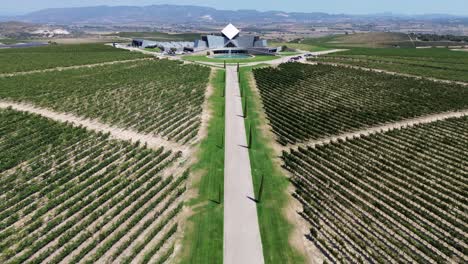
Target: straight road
242,240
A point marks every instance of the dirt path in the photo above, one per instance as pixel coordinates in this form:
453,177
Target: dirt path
389,72
71,67
242,240
118,133
384,128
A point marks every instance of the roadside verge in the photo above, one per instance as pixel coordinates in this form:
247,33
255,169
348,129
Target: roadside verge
276,231
203,234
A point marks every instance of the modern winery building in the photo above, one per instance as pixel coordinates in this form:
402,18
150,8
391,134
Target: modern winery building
231,41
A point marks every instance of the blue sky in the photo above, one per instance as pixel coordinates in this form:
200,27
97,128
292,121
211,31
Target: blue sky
457,7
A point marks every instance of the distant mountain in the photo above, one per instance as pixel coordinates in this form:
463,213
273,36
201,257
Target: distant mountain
163,14
187,14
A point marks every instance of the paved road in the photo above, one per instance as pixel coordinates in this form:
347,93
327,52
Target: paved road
242,241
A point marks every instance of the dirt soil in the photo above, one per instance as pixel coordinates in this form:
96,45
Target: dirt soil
71,67
118,133
389,72
383,128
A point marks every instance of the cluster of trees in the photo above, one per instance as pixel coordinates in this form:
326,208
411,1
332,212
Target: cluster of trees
397,196
435,37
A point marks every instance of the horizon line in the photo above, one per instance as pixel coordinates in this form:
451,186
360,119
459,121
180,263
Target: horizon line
390,13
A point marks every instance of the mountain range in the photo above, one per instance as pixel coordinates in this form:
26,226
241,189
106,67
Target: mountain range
195,14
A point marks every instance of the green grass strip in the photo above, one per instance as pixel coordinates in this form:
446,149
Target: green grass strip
203,240
274,227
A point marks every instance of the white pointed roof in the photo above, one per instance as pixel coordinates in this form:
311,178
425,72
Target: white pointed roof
230,31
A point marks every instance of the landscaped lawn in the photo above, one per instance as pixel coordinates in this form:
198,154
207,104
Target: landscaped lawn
203,58
203,241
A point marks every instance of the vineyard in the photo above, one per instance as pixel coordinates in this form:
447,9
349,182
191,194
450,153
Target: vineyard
308,102
38,58
154,97
434,63
71,196
395,197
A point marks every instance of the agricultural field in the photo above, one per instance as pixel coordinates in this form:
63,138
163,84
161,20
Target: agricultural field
432,63
39,58
153,97
70,195
394,197
310,102
374,40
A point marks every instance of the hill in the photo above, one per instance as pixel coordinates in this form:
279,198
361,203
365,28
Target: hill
195,14
160,13
15,28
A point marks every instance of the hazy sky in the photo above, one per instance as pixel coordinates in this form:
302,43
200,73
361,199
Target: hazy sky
457,7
